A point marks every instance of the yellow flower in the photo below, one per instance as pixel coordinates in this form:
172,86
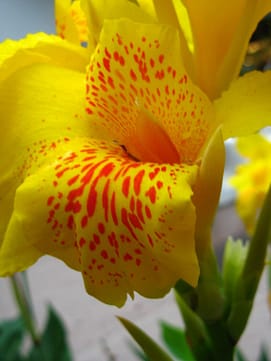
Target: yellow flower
253,178
111,157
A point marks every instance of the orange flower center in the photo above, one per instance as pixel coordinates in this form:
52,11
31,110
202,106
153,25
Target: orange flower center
151,143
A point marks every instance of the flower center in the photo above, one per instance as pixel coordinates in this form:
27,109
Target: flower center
150,142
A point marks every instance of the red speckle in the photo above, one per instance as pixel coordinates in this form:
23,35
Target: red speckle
84,221
148,212
50,200
159,184
73,180
161,58
101,228
116,55
104,254
150,240
121,61
82,242
96,239
125,222
127,257
138,262
113,209
154,173
137,181
138,251
139,210
107,53
151,193
106,63
132,204
70,222
133,75
126,186
135,221
92,246
105,199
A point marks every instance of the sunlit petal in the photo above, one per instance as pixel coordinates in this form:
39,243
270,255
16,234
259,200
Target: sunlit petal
245,108
133,74
45,109
221,32
40,48
98,10
127,226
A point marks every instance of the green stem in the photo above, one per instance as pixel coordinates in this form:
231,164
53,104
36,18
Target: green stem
22,297
250,276
221,342
196,334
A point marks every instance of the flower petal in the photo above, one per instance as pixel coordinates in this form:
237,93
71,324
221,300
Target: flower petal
207,190
39,106
40,48
71,23
220,43
127,226
134,72
245,108
252,179
98,10
173,13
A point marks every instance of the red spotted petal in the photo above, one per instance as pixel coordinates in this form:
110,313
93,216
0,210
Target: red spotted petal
127,226
135,70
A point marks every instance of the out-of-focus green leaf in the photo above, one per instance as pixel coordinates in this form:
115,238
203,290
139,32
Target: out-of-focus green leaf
53,344
175,340
239,356
11,337
138,352
263,355
153,351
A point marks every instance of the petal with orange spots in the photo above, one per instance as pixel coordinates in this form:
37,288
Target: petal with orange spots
127,226
136,74
40,105
71,23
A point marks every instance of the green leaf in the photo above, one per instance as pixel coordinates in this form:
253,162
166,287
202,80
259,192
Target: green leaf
239,356
53,344
263,355
11,337
138,352
233,262
153,351
174,338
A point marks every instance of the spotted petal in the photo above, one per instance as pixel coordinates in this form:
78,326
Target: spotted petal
71,23
98,10
132,74
127,226
39,108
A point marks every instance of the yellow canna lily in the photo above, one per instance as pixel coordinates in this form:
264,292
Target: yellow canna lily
253,178
112,159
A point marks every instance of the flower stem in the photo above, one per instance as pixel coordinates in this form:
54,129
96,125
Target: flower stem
22,296
250,276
